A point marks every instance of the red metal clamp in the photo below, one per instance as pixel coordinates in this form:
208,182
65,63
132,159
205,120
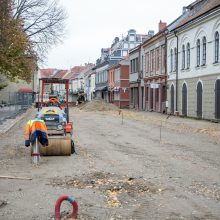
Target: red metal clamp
72,200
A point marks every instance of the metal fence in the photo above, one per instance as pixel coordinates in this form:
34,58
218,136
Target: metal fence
15,104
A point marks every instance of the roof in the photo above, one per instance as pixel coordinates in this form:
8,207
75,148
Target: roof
77,70
198,8
25,90
59,74
45,73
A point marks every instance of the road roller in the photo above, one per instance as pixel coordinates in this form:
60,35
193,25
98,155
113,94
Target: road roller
56,117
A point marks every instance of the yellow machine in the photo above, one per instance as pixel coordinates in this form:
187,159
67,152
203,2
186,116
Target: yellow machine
56,117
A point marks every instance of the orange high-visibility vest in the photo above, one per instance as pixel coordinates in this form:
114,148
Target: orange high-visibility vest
36,129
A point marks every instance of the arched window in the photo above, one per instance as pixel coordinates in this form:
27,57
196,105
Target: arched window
198,52
204,51
188,56
175,59
171,60
216,47
183,57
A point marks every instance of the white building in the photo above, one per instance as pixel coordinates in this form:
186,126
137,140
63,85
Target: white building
91,90
193,62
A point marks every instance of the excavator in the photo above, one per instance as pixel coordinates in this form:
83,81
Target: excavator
56,117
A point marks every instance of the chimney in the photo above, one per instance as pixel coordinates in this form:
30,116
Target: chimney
162,25
184,10
151,33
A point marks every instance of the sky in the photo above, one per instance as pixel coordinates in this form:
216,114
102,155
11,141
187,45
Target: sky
93,24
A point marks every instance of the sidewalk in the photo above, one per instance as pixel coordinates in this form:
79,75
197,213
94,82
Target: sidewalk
9,123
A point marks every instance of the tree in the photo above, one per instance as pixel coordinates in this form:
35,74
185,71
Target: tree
43,22
28,28
17,59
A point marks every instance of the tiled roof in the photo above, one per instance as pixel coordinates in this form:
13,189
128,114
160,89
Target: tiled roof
66,74
197,8
45,73
76,70
59,74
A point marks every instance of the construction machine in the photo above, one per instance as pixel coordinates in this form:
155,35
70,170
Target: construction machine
56,117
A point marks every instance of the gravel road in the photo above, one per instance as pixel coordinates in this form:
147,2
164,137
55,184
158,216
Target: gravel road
146,166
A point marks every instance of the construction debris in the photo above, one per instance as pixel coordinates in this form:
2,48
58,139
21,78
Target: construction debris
98,105
114,187
3,203
16,177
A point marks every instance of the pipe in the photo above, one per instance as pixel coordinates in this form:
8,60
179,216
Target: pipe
36,154
72,200
42,94
177,82
165,61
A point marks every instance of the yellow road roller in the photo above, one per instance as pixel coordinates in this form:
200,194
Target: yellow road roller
56,117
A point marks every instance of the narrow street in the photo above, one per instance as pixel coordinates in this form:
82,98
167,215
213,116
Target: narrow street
141,166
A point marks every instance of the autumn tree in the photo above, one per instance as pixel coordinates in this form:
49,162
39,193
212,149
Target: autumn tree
28,28
17,59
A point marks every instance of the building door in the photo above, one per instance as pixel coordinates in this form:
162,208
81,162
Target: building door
217,99
142,93
151,99
199,100
146,98
136,97
172,99
184,100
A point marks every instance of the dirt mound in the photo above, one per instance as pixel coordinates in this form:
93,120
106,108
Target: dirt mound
98,105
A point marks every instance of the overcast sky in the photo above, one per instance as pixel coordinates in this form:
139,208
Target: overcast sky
93,24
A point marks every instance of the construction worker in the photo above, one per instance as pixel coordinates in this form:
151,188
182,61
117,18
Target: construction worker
36,129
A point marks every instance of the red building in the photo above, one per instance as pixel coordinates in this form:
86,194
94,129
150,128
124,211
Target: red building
155,74
118,83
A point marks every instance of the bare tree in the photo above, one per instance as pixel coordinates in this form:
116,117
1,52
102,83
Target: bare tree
43,22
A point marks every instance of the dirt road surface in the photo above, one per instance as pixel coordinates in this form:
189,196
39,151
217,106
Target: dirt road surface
141,166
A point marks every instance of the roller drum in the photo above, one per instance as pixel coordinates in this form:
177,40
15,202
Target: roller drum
58,146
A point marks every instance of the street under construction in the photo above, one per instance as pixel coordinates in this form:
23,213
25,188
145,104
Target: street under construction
127,165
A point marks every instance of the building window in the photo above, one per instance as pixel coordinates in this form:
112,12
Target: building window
204,51
171,60
198,52
216,47
183,56
132,37
147,62
124,53
142,65
135,65
188,56
131,46
163,57
136,60
125,45
131,66
158,59
175,59
152,60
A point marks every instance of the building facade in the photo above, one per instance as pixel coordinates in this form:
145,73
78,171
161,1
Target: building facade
134,77
101,81
111,83
121,89
91,92
155,71
194,64
118,79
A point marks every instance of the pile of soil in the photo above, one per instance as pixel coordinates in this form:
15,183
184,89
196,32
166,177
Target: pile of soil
98,105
